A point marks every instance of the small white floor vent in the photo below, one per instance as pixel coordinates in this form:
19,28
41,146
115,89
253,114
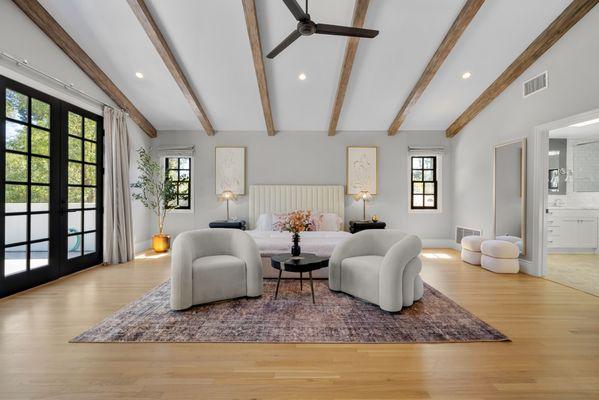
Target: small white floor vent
461,231
535,84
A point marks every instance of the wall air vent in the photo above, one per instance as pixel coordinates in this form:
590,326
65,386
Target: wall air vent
535,84
461,231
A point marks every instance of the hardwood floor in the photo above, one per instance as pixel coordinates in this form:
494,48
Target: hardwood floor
578,271
554,353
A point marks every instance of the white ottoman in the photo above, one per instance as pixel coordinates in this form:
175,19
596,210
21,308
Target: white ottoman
471,249
500,256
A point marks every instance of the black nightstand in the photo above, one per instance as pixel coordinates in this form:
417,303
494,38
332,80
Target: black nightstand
240,224
357,226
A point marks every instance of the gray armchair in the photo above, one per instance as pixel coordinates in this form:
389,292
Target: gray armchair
214,264
379,266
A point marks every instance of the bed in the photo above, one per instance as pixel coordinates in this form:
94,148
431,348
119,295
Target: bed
268,199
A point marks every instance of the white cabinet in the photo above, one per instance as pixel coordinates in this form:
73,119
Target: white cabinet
572,229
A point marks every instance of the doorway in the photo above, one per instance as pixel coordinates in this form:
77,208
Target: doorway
571,191
51,188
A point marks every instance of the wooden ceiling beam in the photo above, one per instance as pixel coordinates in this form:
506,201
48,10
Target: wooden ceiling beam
566,20
466,15
38,14
146,20
251,21
351,48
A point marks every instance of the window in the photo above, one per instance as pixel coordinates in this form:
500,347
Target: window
178,170
423,179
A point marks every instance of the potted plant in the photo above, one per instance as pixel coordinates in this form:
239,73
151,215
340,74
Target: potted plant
156,192
296,222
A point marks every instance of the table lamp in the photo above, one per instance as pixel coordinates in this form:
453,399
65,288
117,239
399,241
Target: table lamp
227,196
365,196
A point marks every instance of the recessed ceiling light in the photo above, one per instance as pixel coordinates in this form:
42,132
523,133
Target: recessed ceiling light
585,123
466,75
139,75
302,77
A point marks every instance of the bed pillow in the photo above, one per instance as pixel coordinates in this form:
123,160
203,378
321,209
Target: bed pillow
264,222
330,222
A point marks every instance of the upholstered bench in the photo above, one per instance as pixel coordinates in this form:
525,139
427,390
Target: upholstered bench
500,256
471,249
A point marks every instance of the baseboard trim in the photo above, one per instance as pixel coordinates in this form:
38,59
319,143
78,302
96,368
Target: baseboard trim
528,267
142,246
438,244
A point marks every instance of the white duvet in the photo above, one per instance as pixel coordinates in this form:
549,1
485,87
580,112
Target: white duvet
320,243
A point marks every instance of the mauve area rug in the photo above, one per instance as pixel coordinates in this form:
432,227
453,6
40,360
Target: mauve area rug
292,318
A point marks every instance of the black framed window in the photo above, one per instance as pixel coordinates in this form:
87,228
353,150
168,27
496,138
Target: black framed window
178,170
423,183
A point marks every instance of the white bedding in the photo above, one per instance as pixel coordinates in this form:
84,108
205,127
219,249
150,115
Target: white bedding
320,243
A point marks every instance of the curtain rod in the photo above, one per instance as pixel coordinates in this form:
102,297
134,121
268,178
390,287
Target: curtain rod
424,148
69,86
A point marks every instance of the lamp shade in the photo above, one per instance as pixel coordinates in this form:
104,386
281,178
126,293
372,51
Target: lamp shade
363,195
227,195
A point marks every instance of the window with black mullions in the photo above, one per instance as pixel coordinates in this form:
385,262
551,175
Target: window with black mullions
423,183
178,170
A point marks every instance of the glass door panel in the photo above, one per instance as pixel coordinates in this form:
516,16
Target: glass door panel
82,162
26,160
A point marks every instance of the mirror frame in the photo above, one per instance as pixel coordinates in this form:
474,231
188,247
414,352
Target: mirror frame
522,190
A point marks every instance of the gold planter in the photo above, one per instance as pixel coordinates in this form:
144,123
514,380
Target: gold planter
161,243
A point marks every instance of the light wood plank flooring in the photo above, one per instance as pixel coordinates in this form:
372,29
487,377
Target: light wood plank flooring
579,271
554,353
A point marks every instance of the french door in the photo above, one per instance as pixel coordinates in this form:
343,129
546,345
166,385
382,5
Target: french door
50,188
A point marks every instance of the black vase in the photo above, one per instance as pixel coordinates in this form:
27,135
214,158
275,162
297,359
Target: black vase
296,249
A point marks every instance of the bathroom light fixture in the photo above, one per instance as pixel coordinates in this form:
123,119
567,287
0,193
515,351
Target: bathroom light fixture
139,75
466,75
302,77
585,123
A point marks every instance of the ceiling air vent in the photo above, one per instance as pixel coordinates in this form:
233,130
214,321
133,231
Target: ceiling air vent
535,84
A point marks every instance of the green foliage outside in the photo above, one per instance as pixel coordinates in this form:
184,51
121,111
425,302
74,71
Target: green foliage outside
17,108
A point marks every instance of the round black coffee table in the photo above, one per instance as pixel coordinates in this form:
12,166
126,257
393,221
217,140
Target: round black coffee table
305,262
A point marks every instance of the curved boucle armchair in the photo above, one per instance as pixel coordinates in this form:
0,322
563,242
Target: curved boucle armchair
379,266
214,264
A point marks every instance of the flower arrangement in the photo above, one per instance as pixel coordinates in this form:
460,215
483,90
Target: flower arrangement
295,222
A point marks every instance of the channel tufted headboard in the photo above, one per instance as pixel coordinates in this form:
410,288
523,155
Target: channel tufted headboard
285,198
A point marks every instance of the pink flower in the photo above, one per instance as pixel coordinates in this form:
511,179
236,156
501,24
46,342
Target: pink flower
295,222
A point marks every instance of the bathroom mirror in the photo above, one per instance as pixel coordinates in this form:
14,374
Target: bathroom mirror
509,193
556,184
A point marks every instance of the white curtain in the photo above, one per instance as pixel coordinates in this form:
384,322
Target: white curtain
118,228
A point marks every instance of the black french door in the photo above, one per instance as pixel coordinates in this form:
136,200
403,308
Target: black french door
50,188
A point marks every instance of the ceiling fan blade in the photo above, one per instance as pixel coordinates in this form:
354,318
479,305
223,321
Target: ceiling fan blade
326,29
296,10
293,36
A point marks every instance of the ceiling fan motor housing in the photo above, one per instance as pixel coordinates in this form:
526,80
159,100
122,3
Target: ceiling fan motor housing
306,28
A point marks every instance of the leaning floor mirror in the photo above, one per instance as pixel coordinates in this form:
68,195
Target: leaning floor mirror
509,193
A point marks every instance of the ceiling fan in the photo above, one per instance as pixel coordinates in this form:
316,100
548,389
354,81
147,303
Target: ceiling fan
306,27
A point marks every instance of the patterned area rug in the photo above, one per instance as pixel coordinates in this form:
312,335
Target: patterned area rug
292,318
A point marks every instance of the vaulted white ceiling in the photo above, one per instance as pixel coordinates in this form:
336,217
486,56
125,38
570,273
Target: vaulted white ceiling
209,38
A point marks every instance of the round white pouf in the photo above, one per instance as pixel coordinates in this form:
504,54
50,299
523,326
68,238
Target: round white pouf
472,243
471,257
500,256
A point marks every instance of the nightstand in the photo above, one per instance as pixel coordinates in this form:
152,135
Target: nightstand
239,224
357,226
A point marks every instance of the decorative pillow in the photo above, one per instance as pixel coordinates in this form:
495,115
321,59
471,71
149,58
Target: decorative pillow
328,222
264,222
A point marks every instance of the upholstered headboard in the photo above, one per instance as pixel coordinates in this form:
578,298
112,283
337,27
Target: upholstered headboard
285,198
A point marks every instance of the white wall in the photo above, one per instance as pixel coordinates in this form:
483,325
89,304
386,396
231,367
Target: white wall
21,38
315,158
573,66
